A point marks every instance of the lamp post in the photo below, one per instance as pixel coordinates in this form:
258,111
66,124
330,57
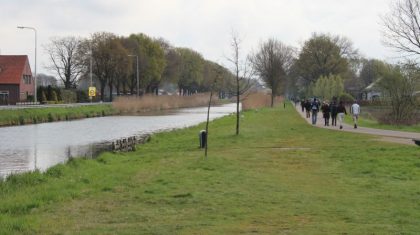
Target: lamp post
137,73
32,28
90,68
90,64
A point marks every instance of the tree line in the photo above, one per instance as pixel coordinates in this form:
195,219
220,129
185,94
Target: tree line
325,66
113,61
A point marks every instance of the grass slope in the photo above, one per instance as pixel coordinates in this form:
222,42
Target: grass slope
280,176
367,120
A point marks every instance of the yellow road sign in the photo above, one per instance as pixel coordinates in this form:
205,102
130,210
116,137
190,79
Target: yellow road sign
92,91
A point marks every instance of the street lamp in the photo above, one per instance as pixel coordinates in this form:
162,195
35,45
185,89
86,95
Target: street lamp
32,28
137,73
90,69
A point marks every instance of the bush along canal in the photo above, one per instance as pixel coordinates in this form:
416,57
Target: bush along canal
24,116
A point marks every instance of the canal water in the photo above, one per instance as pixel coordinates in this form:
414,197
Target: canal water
40,146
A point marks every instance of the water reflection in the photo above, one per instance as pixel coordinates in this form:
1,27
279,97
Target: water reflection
40,146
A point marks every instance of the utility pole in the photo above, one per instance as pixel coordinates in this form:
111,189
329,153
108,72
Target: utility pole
137,73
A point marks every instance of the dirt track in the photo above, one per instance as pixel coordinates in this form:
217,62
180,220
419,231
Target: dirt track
400,137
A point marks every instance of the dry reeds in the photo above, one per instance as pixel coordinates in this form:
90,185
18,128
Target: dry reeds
149,103
258,100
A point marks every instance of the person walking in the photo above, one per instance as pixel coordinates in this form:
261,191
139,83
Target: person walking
314,109
355,111
341,110
325,108
308,108
302,105
333,110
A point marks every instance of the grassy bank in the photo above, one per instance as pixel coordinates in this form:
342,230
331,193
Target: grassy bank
280,176
367,120
12,117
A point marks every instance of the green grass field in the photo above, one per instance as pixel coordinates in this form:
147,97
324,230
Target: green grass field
368,121
279,176
39,115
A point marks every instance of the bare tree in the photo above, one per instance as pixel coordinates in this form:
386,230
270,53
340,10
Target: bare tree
110,60
218,78
272,63
46,80
119,63
347,49
398,85
402,27
242,72
66,58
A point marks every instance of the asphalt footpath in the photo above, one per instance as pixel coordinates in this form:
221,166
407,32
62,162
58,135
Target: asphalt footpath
400,137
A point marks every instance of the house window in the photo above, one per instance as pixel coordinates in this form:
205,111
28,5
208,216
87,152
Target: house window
4,97
27,79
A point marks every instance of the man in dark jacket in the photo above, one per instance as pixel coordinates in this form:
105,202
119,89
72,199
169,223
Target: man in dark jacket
314,109
325,108
302,105
333,110
308,108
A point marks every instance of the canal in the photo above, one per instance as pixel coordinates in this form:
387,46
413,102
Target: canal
40,146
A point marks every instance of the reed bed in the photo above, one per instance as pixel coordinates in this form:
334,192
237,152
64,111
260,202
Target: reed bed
149,103
259,100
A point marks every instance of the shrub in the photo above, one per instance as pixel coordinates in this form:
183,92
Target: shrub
346,98
69,96
327,87
43,97
54,97
30,98
398,86
21,120
56,171
82,96
30,178
50,117
49,94
371,103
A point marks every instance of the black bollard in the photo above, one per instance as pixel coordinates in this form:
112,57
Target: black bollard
203,138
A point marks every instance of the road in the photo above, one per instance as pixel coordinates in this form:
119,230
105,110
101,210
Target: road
401,137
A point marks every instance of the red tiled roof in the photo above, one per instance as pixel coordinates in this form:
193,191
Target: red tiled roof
12,68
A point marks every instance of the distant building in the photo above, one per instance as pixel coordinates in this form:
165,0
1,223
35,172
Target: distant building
372,92
16,80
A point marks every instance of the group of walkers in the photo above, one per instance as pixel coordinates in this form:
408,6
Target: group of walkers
329,111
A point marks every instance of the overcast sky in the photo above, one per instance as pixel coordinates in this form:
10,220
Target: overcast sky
203,25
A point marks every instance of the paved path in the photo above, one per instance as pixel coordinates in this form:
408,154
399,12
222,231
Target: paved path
401,137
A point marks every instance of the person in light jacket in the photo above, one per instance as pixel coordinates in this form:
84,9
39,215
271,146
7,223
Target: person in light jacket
341,110
355,110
